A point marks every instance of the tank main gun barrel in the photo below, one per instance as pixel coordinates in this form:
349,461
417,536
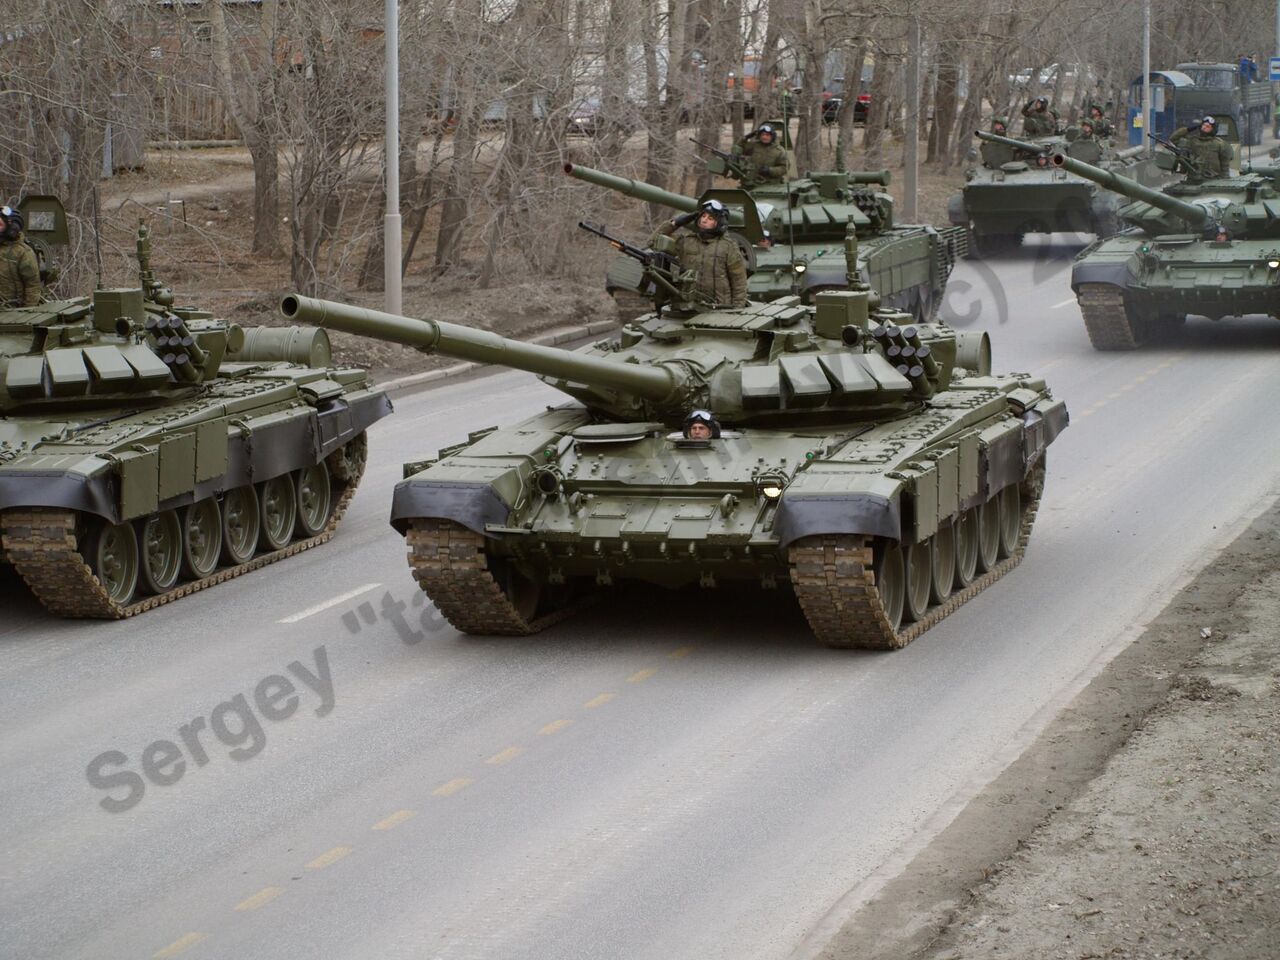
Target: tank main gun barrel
1011,142
1130,153
1195,215
653,383
633,188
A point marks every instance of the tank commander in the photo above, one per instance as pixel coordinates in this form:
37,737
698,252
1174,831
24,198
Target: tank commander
1209,151
701,425
1038,120
764,158
720,271
1101,125
995,155
19,268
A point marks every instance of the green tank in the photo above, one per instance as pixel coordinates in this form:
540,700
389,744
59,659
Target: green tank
793,237
1017,191
873,469
1205,246
148,450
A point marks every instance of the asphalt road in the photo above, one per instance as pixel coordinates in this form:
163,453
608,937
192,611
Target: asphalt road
664,776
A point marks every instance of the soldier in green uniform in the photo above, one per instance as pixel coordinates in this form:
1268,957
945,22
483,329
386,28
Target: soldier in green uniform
996,155
1207,149
1038,120
764,158
1101,125
19,268
719,268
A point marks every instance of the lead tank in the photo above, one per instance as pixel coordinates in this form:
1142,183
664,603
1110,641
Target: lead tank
1017,190
1204,246
149,450
793,234
873,469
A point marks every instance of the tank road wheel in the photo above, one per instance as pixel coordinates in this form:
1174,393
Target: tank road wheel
160,539
919,558
201,538
1010,509
891,581
348,461
476,592
988,535
315,499
965,530
944,563
278,508
240,525
112,552
1110,324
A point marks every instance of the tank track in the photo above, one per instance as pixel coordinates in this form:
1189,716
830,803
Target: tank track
1106,319
834,581
41,544
450,565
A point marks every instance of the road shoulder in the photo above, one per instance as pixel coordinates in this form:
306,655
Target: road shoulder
1142,822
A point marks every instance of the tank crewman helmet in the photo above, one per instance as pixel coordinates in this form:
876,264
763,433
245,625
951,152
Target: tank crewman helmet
1001,122
717,210
1042,102
703,417
1211,123
13,222
766,128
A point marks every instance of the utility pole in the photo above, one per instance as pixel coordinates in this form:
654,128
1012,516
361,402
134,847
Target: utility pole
391,162
911,149
1146,76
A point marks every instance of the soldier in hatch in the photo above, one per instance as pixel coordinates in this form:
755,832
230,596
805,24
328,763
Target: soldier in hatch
1101,125
1038,120
719,268
764,158
19,268
1210,152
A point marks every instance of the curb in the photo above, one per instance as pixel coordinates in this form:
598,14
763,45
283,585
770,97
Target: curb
401,384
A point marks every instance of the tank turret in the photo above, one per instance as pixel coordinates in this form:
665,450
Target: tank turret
875,465
793,234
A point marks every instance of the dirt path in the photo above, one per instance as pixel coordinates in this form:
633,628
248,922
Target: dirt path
1143,823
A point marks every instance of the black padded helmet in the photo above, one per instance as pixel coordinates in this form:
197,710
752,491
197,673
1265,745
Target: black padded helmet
1212,122
701,416
717,210
767,128
13,216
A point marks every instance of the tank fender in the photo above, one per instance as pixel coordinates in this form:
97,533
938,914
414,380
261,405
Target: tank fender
94,494
956,212
340,419
869,514
471,504
1114,273
1041,425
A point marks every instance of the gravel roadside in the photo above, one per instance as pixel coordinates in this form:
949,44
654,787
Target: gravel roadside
1143,823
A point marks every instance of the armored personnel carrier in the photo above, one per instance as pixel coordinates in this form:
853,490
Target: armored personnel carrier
793,236
873,468
149,450
1017,191
1204,246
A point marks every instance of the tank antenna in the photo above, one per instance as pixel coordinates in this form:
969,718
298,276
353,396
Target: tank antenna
97,235
791,213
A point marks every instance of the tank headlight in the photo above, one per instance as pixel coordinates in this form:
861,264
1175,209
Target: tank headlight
1274,264
799,267
771,491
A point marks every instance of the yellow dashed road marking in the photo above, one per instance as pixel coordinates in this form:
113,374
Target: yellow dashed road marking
452,787
508,754
325,859
397,818
682,652
599,701
178,946
260,899
640,676
555,726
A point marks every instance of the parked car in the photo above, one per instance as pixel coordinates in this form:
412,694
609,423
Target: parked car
589,119
833,98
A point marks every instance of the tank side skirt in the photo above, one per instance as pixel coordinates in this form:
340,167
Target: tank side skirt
41,544
834,581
